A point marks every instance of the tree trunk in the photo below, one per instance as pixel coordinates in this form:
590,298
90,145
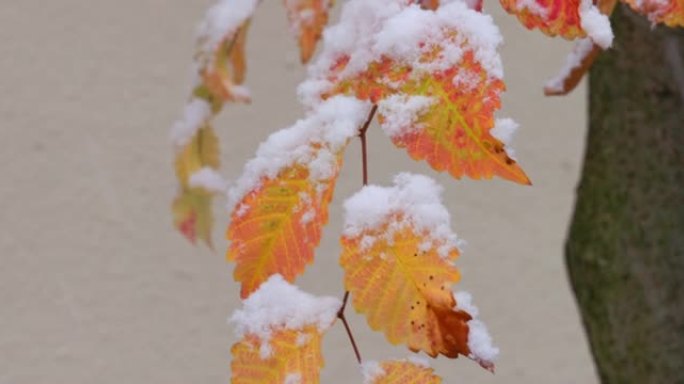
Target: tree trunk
625,251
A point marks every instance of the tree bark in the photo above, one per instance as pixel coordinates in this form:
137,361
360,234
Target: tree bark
625,250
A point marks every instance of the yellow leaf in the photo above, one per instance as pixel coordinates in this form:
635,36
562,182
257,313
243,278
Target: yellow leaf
280,329
202,151
405,291
399,372
293,355
307,19
192,207
275,228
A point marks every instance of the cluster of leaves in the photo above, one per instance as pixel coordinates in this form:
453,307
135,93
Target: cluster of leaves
431,72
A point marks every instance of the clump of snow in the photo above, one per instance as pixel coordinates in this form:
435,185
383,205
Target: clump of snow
278,305
195,114
596,24
479,341
503,131
293,378
466,79
533,7
208,179
414,201
400,112
312,142
371,370
580,50
222,20
370,30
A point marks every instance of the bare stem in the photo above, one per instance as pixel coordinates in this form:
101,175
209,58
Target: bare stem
364,147
364,157
341,316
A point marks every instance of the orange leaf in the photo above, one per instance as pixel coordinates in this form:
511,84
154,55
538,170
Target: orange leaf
429,4
280,203
399,372
570,19
552,17
307,19
668,12
294,355
577,64
398,268
225,70
462,80
276,227
453,133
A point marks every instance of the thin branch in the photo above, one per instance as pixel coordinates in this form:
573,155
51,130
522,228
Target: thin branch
364,147
341,316
364,157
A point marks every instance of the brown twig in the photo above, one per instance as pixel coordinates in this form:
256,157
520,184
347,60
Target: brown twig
341,316
364,151
364,157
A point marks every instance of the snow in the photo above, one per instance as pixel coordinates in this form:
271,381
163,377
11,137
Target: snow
532,7
596,24
414,201
208,179
222,20
503,131
581,49
371,370
479,341
195,114
370,30
329,127
293,378
278,305
400,112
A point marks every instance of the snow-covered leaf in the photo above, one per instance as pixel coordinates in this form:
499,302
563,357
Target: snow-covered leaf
578,62
570,19
280,330
192,207
280,203
398,253
668,12
442,65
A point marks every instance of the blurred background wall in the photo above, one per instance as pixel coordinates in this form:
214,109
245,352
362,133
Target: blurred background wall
97,287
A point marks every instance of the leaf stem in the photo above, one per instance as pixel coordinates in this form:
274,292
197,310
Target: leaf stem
364,158
364,147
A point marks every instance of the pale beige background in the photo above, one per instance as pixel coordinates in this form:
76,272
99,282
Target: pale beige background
96,287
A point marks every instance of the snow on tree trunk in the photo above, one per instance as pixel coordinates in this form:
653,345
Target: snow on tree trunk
625,251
